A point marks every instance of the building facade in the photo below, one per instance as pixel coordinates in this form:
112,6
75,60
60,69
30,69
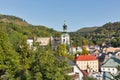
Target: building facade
44,41
88,62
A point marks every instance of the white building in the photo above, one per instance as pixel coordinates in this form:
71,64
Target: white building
30,42
65,38
76,72
75,49
110,65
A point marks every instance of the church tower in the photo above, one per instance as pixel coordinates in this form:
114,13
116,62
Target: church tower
65,38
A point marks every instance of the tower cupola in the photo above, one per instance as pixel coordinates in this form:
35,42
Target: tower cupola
64,27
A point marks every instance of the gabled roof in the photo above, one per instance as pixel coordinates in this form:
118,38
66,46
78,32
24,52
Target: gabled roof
112,62
70,62
86,57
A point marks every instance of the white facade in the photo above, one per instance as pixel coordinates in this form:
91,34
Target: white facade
79,49
65,38
111,65
112,70
92,64
73,50
30,42
76,70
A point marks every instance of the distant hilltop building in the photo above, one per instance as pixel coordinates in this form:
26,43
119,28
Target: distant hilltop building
44,41
65,38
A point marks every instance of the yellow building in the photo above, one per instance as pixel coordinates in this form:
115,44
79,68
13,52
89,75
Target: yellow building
87,62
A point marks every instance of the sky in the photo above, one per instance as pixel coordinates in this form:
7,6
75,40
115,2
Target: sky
52,13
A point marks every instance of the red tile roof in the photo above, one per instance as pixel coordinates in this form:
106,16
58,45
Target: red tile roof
86,57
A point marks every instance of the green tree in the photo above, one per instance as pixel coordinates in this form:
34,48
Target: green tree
9,59
84,51
24,53
62,50
46,66
87,78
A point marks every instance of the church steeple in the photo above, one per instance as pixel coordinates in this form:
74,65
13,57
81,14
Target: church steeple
65,38
64,27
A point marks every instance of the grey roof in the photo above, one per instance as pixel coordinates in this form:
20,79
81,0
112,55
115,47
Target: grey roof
70,62
112,62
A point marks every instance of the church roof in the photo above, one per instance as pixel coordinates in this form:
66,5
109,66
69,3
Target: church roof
86,58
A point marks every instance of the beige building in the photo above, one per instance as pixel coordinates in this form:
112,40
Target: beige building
111,49
87,62
44,41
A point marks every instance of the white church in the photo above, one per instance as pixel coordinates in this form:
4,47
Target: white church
65,38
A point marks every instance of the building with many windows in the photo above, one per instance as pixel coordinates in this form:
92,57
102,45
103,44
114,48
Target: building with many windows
87,62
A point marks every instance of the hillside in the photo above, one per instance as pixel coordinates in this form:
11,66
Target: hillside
87,30
108,33
15,26
19,25
19,30
13,19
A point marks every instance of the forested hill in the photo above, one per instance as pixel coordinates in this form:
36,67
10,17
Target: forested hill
109,33
12,24
16,27
12,19
111,28
87,30
106,28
